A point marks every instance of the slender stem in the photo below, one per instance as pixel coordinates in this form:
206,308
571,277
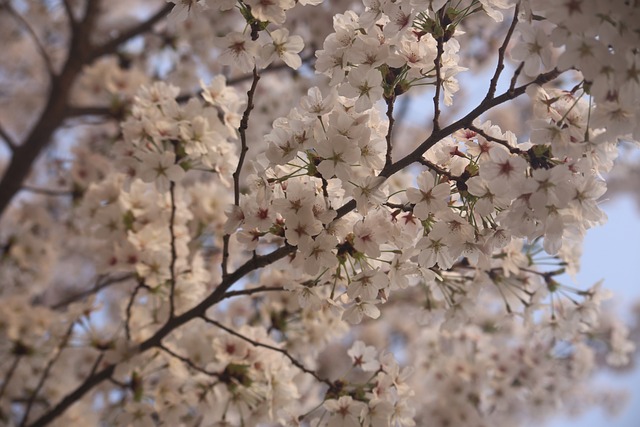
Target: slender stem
513,150
172,324
99,285
252,291
174,254
438,169
47,191
188,362
516,74
293,360
11,143
113,44
10,372
68,8
436,95
390,104
36,40
128,311
242,130
261,261
501,54
45,374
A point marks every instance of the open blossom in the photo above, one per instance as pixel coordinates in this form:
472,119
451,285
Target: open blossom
365,83
283,46
428,197
184,9
238,51
160,168
301,205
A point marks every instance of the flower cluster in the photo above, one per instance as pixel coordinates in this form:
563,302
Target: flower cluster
238,243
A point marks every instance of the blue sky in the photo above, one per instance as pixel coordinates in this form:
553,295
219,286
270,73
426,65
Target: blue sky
611,253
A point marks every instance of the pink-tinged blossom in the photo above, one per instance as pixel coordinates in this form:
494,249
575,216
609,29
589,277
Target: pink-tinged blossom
160,168
237,51
344,412
428,197
338,154
365,84
283,46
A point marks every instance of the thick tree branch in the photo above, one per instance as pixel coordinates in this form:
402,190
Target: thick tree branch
81,53
172,324
257,262
464,122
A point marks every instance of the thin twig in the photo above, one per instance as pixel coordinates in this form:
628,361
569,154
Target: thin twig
501,54
174,254
513,150
36,40
188,362
132,299
113,44
284,352
116,113
438,169
45,373
47,191
99,285
514,78
68,8
252,291
242,130
264,260
10,372
11,143
172,324
436,96
390,103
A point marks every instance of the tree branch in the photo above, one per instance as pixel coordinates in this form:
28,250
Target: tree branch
436,96
390,104
501,53
54,111
252,291
513,150
113,44
45,374
172,324
100,285
116,113
11,143
284,352
36,40
174,254
242,130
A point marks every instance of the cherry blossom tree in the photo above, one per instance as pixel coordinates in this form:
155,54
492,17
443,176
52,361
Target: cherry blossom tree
225,212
